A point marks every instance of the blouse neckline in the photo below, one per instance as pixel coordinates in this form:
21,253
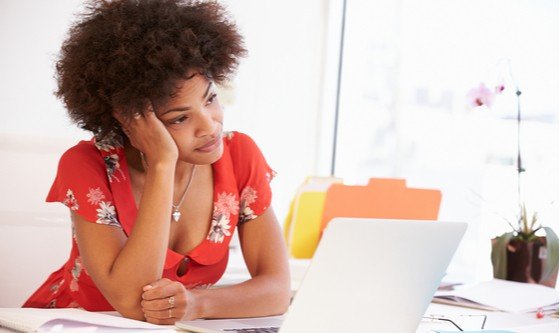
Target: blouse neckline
206,252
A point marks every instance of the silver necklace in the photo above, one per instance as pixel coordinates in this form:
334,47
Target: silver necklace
175,214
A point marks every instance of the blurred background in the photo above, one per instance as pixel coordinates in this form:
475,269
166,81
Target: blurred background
407,67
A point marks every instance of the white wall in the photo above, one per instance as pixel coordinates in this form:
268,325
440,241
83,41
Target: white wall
31,33
275,98
276,93
278,88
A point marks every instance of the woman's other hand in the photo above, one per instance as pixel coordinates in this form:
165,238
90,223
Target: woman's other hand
148,134
164,302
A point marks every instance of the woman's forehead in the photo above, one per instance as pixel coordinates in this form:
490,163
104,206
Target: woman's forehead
189,91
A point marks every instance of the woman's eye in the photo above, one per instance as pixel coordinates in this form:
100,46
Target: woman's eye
179,120
211,99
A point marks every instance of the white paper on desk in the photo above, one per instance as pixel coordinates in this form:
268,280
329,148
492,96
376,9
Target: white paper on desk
505,295
30,319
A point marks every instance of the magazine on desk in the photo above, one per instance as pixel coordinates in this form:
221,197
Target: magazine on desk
71,320
500,295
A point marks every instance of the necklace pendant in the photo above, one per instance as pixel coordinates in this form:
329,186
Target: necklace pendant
176,215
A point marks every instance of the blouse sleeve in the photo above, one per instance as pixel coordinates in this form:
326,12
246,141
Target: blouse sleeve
253,177
82,185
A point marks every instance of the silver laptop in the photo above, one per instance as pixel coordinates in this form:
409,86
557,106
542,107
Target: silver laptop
367,275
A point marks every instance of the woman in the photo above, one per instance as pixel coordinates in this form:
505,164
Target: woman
156,195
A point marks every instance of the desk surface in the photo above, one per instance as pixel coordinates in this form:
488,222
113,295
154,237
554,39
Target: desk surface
523,323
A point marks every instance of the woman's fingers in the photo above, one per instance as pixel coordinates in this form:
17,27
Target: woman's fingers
165,317
175,301
157,284
164,301
157,304
160,293
161,289
162,314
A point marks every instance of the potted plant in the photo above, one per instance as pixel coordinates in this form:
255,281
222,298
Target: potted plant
520,255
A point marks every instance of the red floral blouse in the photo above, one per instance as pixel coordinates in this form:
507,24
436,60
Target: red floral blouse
93,181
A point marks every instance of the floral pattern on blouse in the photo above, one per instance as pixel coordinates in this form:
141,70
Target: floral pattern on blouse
228,135
110,142
270,175
219,229
56,287
76,272
70,201
95,196
248,196
74,304
114,171
225,205
106,214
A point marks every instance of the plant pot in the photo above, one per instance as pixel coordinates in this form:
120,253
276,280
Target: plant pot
522,261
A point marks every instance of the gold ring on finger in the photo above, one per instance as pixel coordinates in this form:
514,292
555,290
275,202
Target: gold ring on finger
171,301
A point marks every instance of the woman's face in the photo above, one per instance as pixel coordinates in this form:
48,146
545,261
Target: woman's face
194,119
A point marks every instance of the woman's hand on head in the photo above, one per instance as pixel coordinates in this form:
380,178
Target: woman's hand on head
164,302
148,134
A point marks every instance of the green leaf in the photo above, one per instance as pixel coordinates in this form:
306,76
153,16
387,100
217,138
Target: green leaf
532,236
499,255
525,228
534,220
552,253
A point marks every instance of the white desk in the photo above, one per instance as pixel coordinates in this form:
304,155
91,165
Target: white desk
526,322
523,323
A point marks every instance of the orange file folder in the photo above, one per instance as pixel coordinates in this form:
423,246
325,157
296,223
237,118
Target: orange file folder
381,198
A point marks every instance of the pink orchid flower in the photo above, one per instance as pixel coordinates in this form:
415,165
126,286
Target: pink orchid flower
479,96
500,88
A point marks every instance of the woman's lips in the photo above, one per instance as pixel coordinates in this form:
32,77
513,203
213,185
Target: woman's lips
212,145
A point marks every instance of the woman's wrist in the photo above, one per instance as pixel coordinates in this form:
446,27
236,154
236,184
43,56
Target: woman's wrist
196,307
162,165
161,160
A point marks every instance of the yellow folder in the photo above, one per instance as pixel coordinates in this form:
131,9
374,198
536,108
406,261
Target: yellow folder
302,227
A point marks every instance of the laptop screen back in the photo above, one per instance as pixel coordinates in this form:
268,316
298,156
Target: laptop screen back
373,275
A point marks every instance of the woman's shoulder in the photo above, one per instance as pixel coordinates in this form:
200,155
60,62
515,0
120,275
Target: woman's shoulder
246,157
81,154
238,141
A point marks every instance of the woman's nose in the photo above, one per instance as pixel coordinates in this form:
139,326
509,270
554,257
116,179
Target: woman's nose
205,125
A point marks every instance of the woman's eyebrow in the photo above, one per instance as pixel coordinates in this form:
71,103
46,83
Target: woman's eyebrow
207,90
186,108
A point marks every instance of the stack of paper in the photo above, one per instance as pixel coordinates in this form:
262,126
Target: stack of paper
70,320
500,295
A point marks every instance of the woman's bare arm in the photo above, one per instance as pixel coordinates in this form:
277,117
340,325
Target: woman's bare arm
266,293
121,266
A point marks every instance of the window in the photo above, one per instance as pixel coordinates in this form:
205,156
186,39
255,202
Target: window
407,68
